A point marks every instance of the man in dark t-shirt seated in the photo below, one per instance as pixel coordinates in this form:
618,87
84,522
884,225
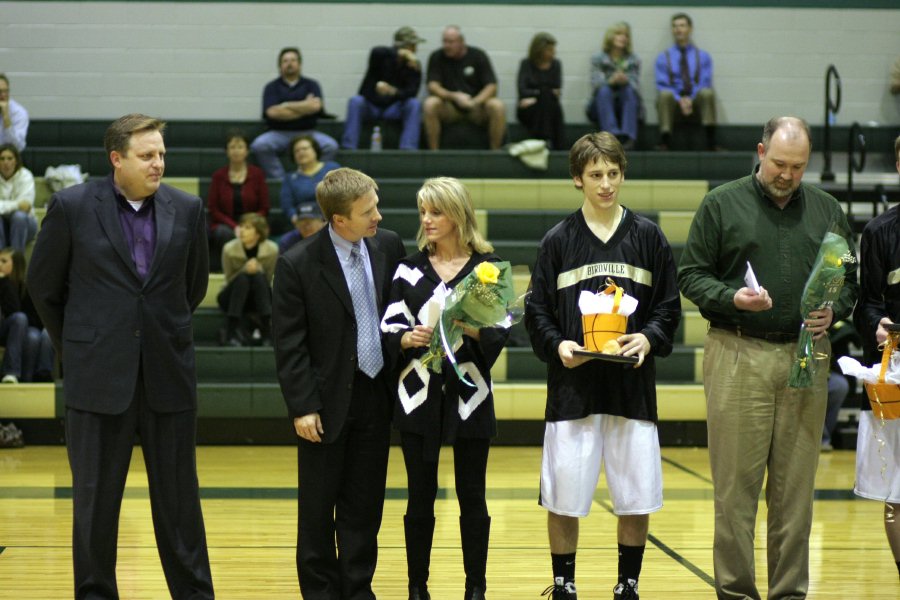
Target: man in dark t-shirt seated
462,85
291,106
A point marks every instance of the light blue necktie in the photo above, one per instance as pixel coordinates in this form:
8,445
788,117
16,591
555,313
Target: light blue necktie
368,333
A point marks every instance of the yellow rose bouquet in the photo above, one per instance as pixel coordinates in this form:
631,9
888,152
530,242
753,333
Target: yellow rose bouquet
484,298
821,290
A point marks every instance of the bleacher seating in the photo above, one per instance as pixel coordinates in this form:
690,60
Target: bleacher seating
239,399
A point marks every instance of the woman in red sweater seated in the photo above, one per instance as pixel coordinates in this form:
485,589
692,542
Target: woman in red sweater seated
235,189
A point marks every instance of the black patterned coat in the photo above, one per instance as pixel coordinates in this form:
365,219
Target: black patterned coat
437,405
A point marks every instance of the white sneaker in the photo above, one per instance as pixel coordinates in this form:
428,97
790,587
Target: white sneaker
9,379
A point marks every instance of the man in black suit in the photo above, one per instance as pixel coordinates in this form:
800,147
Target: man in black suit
118,267
328,296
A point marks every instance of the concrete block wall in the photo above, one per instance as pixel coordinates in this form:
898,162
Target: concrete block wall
210,60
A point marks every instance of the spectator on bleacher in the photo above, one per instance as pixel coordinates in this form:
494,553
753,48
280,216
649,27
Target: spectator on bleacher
601,413
462,85
448,411
14,129
37,351
291,106
18,225
299,187
684,75
878,441
760,429
842,334
388,91
235,189
249,266
615,104
13,322
309,220
540,85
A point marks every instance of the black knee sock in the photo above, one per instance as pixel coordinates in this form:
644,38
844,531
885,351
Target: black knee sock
630,559
898,566
563,566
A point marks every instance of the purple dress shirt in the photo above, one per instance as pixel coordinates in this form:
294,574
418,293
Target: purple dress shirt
139,227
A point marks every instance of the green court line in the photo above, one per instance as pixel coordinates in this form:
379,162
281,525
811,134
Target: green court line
668,551
687,470
290,493
700,573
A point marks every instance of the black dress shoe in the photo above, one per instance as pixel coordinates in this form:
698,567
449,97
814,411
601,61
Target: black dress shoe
476,593
416,593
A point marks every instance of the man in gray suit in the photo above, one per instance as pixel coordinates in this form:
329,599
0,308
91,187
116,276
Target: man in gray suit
117,270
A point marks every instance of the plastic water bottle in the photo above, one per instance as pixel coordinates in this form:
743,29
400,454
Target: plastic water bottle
375,146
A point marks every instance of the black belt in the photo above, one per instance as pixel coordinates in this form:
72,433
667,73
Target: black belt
774,337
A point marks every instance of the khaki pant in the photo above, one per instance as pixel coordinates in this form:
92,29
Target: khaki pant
450,113
668,109
757,424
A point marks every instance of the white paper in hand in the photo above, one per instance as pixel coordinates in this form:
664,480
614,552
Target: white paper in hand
431,312
750,279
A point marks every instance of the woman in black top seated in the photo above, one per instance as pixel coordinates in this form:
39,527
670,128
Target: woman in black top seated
540,85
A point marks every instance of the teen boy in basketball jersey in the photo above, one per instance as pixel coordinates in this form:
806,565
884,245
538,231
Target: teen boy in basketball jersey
598,409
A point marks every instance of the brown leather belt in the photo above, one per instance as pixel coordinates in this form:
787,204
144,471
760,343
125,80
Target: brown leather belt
774,337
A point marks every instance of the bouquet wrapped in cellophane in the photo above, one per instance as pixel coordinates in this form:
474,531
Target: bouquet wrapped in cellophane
484,298
821,290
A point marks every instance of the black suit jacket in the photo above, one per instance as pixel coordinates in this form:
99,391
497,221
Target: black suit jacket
315,327
105,322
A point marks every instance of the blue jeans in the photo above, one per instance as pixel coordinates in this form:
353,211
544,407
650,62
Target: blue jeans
13,329
22,229
838,388
269,145
359,110
605,105
38,355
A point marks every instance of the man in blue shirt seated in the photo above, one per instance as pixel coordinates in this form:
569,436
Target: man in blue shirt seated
388,91
291,106
684,82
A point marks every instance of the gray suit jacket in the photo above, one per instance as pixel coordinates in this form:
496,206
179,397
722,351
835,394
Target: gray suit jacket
106,323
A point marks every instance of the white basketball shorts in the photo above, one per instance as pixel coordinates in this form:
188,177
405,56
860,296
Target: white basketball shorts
574,452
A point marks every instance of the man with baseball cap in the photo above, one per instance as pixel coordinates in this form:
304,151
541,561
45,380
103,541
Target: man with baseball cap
388,91
309,221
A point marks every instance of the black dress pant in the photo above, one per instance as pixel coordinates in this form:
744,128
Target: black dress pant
246,293
341,499
99,448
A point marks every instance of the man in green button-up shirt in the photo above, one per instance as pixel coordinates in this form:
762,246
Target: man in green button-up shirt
755,421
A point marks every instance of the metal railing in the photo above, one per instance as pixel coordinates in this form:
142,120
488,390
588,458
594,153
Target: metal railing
856,142
832,106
